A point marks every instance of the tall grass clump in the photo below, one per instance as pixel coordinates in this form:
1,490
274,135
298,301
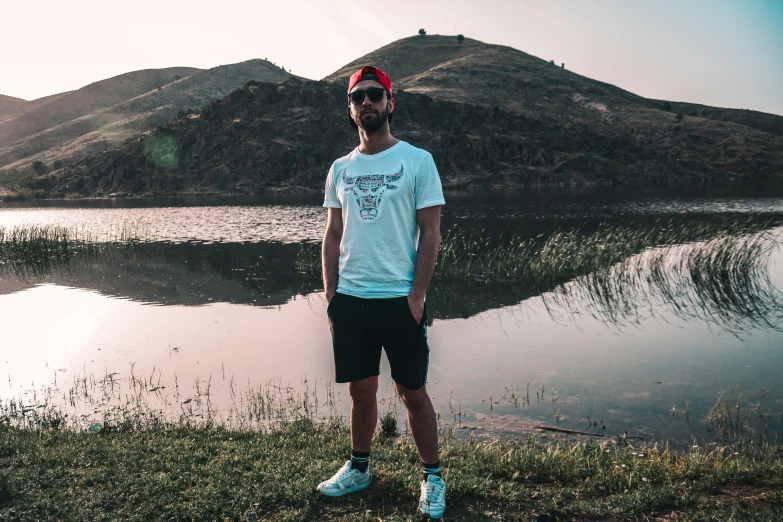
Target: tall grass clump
31,251
723,280
541,262
36,245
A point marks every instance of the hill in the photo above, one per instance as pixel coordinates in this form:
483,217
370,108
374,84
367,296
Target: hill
489,114
105,113
284,137
498,76
489,75
75,104
10,106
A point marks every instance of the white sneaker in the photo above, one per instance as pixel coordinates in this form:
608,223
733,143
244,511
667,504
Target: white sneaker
433,497
345,481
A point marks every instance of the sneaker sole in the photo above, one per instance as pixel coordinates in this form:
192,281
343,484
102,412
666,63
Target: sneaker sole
352,489
430,517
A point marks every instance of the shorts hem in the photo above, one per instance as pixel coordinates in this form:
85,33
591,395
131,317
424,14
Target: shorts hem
343,380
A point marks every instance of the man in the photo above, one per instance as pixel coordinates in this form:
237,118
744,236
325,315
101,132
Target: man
380,197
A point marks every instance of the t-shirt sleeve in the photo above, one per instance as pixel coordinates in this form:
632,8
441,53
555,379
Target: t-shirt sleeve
428,188
330,193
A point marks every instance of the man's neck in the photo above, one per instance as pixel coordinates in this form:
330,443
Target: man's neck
376,142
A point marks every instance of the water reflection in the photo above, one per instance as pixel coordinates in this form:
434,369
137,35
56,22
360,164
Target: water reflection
300,217
236,325
723,281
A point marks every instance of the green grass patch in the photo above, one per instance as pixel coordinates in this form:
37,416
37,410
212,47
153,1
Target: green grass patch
160,150
182,472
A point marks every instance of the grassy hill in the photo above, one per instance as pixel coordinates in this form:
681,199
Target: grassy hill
490,115
68,106
284,137
498,76
485,74
105,113
10,106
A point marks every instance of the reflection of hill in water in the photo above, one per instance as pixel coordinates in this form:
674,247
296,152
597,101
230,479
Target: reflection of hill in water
189,274
194,274
722,280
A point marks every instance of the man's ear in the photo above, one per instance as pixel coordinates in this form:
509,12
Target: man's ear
391,105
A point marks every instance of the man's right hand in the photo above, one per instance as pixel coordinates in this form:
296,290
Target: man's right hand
330,294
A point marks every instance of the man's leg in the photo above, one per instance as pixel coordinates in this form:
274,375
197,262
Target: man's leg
421,418
364,412
355,474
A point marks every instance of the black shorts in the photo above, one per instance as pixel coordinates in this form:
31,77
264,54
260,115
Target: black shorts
360,327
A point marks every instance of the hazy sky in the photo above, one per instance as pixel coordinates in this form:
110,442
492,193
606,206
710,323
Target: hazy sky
717,52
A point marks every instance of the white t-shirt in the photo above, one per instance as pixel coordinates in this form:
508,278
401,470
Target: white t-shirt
379,195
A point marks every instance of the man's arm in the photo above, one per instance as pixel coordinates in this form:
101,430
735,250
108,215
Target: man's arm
428,220
330,251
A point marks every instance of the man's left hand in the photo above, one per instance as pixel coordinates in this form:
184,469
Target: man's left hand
416,305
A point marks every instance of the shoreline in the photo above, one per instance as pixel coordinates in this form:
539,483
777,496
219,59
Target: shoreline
8,196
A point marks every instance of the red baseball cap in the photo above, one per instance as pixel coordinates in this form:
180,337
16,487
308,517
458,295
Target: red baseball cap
368,72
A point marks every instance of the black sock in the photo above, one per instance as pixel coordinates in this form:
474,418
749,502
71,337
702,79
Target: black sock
431,469
360,460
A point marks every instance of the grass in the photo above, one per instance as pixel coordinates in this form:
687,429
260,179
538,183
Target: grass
541,262
33,251
708,271
723,280
153,470
264,461
23,194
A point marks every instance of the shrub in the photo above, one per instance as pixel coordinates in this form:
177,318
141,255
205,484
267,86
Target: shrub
460,38
23,194
58,164
388,425
5,490
422,32
39,167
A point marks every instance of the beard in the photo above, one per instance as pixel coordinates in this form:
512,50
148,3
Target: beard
372,124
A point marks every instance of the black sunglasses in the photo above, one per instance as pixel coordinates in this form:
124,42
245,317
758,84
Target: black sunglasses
374,93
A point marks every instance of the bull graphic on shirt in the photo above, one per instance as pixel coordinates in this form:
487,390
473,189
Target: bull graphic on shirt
368,191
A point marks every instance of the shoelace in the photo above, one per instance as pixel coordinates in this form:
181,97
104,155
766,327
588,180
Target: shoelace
344,473
430,487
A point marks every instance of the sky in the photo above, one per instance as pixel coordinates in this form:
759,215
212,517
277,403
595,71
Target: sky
716,52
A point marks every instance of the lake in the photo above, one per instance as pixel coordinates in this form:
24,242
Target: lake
208,312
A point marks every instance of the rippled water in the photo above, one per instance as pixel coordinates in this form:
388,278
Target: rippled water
293,218
234,224
216,300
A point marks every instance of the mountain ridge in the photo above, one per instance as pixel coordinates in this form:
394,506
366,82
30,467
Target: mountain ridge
261,138
108,125
558,127
10,105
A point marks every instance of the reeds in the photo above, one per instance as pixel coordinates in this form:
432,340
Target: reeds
544,261
723,280
35,249
137,402
31,251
